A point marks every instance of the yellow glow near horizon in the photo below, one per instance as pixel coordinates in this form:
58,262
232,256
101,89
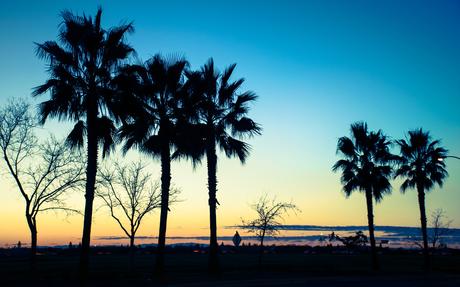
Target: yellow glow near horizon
316,192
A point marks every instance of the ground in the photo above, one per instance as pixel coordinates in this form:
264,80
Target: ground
186,268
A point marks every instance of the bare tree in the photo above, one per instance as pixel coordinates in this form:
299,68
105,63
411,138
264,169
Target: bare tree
269,214
439,228
43,172
129,194
440,225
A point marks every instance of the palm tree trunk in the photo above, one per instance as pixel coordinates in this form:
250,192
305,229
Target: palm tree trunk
91,170
421,203
212,189
165,185
370,222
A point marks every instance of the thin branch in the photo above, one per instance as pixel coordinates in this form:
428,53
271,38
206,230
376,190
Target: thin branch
128,189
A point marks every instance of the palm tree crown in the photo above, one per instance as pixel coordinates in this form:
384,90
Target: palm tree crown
366,163
81,69
222,111
420,161
156,90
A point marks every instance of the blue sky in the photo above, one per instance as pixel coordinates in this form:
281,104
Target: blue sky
350,59
317,66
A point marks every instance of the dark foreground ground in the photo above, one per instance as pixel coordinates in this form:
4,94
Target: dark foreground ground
111,267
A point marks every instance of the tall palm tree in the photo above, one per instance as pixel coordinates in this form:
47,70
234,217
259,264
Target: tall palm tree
421,167
156,88
366,167
81,66
221,121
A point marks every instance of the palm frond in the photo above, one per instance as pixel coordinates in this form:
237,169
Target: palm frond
76,137
152,146
245,126
190,143
234,148
346,146
106,133
51,51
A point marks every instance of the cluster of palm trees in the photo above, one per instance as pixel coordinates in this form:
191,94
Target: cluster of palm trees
163,108
368,166
160,107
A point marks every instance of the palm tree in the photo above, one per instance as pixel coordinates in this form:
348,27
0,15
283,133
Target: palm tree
421,167
221,120
156,88
366,167
81,68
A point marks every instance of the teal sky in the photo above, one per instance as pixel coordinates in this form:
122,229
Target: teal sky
317,66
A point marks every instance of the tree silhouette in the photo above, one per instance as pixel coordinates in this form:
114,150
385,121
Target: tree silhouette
440,227
269,214
81,67
421,166
366,167
128,192
43,172
351,242
221,120
152,126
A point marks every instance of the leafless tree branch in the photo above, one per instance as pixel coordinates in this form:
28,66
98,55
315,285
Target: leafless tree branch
129,194
44,172
440,225
269,214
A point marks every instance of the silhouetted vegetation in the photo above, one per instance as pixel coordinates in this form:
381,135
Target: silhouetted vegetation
366,167
440,226
352,242
152,125
221,121
81,67
43,171
420,165
158,109
167,111
267,223
130,194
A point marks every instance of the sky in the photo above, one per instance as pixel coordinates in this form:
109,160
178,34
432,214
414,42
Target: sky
317,67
